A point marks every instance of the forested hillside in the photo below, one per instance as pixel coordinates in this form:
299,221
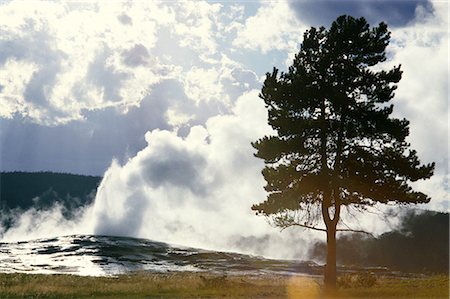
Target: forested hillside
22,190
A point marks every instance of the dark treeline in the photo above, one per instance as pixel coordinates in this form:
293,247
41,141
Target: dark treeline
41,190
419,244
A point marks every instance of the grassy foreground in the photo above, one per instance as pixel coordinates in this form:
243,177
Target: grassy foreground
201,285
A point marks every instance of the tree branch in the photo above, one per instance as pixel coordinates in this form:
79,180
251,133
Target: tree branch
354,231
304,226
324,230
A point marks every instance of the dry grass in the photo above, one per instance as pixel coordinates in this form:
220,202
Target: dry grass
174,285
427,287
201,285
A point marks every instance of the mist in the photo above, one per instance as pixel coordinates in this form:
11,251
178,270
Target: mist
194,189
191,191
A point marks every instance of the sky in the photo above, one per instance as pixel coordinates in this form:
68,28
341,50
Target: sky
161,97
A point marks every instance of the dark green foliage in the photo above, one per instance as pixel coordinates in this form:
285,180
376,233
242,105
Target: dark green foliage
420,244
336,141
18,189
336,144
41,190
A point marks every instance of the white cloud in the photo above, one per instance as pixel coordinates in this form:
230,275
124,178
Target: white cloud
16,76
63,43
87,57
274,27
422,95
177,118
222,82
196,25
203,84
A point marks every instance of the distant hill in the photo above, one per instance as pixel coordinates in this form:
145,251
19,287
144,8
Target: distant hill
41,190
420,244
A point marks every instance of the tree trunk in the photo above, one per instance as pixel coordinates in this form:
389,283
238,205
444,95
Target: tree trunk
330,267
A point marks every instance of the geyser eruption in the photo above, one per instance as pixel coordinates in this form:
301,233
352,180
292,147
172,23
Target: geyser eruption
194,191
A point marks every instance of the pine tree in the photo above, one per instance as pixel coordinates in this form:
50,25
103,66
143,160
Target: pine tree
336,144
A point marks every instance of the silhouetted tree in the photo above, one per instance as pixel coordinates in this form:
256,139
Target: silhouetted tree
336,144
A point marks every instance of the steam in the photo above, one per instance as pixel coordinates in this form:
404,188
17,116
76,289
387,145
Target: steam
38,224
192,191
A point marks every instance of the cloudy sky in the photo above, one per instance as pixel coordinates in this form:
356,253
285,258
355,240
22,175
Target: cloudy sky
168,90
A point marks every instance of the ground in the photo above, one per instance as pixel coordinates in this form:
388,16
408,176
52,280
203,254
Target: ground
209,285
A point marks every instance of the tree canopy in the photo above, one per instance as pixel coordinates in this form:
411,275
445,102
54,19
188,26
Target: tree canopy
331,112
336,143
